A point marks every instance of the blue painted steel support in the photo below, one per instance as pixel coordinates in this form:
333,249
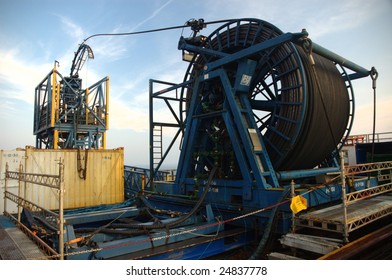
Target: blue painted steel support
101,215
211,247
224,58
296,174
360,71
247,52
167,95
191,128
242,129
125,246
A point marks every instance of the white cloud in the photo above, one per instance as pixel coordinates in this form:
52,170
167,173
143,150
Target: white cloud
363,119
125,116
115,47
317,16
109,48
20,77
7,109
71,28
153,15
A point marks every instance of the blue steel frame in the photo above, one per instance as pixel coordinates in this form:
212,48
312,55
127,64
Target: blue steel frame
258,175
231,90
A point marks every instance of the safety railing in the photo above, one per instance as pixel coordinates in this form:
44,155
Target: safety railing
351,216
56,220
348,198
368,138
138,179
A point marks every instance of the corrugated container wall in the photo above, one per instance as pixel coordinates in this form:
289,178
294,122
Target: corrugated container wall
103,182
13,158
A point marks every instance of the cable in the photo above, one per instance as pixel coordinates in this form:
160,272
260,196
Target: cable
136,32
189,23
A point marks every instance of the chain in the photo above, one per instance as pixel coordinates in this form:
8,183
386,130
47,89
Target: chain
68,254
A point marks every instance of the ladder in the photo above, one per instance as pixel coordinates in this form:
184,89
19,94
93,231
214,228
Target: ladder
157,145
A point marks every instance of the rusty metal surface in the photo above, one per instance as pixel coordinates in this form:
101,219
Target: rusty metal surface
8,250
354,248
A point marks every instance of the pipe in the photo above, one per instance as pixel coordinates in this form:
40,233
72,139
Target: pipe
340,60
295,174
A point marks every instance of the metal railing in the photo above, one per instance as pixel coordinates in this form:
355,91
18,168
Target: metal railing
138,179
368,138
344,224
55,219
368,192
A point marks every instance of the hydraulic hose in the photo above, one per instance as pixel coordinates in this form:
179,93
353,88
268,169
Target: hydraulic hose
268,230
161,225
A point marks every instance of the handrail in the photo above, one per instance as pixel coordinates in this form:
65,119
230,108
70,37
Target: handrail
47,180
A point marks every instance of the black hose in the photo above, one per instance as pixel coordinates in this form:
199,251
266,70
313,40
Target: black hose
187,24
268,230
182,219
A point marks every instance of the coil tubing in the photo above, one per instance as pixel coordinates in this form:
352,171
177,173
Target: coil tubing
301,109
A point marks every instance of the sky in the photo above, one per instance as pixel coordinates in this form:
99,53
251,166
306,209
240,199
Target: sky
33,34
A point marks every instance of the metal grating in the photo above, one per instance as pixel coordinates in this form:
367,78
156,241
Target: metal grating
15,245
8,249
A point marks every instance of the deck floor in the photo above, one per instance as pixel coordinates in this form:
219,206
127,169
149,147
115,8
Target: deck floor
15,245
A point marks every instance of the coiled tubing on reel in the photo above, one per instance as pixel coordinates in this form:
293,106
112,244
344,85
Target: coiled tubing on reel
302,110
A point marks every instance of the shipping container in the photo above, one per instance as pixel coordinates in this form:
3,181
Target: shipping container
91,177
13,159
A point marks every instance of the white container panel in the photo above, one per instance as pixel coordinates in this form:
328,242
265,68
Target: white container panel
13,158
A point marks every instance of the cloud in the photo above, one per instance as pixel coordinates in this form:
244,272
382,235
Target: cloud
153,15
71,28
113,47
129,102
7,109
345,16
125,116
363,118
19,77
318,16
109,49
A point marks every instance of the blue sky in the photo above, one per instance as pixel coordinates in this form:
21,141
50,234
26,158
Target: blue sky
33,34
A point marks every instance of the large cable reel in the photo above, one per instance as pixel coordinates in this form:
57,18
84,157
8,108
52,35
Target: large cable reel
303,110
